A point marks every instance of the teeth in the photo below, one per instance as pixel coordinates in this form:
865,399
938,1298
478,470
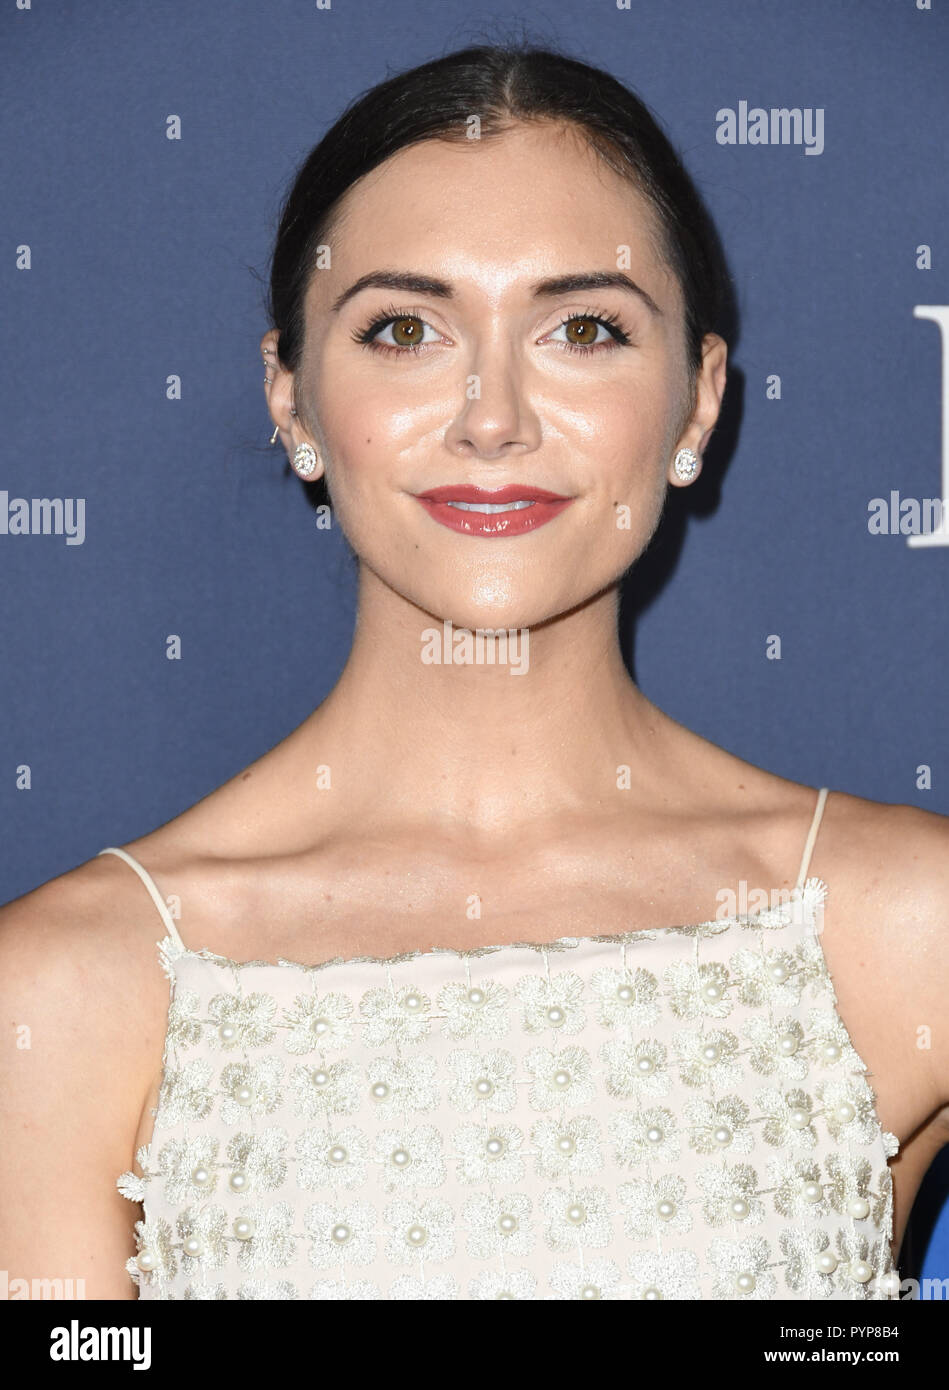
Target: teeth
489,508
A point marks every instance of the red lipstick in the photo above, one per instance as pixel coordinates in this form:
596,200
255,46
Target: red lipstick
504,511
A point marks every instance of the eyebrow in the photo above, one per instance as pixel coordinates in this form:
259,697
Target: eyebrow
548,288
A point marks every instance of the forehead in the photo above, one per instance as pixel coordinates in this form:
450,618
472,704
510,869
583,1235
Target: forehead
536,200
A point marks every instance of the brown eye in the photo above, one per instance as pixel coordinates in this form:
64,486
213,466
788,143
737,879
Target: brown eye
408,331
581,330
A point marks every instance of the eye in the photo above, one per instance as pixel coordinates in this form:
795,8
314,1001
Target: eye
407,330
582,332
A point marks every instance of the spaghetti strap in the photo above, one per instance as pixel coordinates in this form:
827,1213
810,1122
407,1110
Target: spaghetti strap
811,836
149,883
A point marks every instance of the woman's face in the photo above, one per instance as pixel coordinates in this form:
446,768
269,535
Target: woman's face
475,378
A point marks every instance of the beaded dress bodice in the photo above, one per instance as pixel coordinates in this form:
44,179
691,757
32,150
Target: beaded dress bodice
671,1113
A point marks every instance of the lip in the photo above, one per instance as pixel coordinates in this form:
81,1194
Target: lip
516,522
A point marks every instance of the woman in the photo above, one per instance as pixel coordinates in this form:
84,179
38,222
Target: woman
457,1011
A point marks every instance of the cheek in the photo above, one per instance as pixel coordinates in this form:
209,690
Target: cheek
627,468
372,432
364,451
354,450
626,457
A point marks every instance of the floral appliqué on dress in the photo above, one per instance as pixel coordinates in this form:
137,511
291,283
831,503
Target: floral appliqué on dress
676,1113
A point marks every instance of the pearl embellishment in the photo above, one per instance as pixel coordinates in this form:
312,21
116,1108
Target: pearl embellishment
718,1070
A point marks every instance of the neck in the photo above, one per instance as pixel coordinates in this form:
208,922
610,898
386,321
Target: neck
419,728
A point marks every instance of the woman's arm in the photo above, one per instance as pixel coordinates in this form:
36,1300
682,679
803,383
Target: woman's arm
925,893
82,1010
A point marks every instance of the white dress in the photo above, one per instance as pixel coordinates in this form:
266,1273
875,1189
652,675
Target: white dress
672,1113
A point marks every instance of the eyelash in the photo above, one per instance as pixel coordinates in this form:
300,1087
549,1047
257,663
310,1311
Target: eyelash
611,322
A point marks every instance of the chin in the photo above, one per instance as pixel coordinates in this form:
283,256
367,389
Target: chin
478,610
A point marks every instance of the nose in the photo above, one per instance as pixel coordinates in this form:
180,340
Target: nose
496,418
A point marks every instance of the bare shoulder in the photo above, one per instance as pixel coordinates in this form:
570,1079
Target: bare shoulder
94,920
80,976
82,1004
887,872
892,858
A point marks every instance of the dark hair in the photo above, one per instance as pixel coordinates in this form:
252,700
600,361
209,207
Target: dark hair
503,85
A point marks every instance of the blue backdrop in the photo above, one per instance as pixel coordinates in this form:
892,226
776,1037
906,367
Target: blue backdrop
131,258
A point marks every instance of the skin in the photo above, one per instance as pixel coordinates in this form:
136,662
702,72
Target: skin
449,781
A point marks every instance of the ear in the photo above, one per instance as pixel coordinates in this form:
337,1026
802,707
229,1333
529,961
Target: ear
278,388
709,391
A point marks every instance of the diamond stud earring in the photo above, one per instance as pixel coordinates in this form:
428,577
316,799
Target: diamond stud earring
686,464
304,460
